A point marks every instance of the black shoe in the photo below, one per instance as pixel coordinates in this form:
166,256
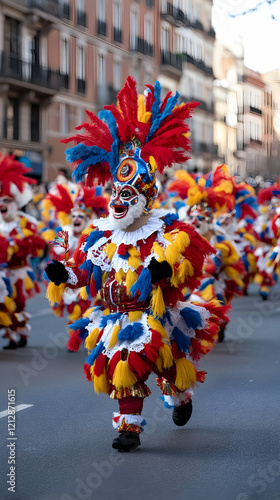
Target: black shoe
22,342
11,345
182,414
126,441
221,334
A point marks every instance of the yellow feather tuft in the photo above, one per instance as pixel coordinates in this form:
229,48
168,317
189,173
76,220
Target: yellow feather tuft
158,251
166,356
28,283
173,255
101,383
10,304
48,235
185,269
27,232
110,250
114,336
120,275
83,293
201,181
135,316
133,262
5,319
156,325
153,164
76,313
185,374
208,293
157,303
225,186
123,376
182,175
91,339
54,293
131,277
182,241
88,312
64,218
106,312
233,274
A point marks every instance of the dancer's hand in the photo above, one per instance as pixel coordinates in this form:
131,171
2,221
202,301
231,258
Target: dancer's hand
56,272
159,270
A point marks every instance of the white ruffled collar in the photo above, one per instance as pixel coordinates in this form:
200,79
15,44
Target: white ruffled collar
119,236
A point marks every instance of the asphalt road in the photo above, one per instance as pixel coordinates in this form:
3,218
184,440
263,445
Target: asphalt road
229,450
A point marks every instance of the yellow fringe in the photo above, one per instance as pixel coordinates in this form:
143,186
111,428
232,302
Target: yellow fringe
120,275
173,255
133,262
5,319
166,356
88,312
54,293
157,303
114,336
27,232
10,304
135,316
76,313
158,251
28,283
156,325
182,241
185,269
233,274
123,376
91,339
83,293
131,277
185,374
101,383
110,250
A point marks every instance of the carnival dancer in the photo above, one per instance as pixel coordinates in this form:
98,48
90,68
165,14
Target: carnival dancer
73,212
22,240
136,262
268,199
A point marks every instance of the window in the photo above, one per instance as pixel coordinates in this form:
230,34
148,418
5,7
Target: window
133,29
148,29
64,61
164,39
102,10
11,119
117,14
117,75
64,118
102,70
81,117
81,62
35,122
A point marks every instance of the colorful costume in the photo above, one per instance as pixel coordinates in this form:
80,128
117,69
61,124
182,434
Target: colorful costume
137,262
21,241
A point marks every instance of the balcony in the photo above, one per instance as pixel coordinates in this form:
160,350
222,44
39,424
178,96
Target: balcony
117,35
211,33
145,48
197,25
171,63
22,75
65,81
150,3
174,16
81,18
255,110
65,11
81,86
101,27
199,64
48,6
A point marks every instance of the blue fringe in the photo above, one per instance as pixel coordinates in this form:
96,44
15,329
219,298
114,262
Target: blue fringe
110,317
88,266
191,317
91,155
9,286
168,219
95,353
131,332
97,276
79,324
143,285
205,283
182,340
93,237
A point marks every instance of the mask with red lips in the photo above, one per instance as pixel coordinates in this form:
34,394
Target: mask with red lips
8,208
134,189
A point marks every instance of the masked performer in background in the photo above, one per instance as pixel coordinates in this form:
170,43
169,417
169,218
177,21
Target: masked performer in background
22,241
136,262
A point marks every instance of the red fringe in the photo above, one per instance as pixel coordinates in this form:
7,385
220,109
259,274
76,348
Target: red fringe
197,350
113,363
138,365
87,372
99,365
151,353
176,351
75,342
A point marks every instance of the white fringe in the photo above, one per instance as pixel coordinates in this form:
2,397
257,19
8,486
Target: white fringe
128,418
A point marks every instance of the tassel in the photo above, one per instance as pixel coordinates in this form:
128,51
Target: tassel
134,259
166,356
75,342
9,303
113,363
120,275
172,255
114,337
157,303
83,293
158,251
182,340
29,285
185,374
135,316
4,319
110,250
156,341
131,277
87,372
197,350
182,241
91,339
151,353
101,383
185,269
138,365
156,325
76,313
54,293
123,376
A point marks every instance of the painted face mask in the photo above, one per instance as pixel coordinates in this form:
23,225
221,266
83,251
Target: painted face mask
134,189
201,217
79,221
8,208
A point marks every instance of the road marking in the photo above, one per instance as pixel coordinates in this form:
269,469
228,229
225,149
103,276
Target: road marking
16,408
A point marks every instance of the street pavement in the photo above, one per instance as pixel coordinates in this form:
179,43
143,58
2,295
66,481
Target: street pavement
229,450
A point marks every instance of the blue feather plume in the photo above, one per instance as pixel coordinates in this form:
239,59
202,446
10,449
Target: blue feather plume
143,285
95,353
191,317
182,340
131,332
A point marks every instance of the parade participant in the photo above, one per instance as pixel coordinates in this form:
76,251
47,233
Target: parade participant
22,240
74,212
137,261
268,199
